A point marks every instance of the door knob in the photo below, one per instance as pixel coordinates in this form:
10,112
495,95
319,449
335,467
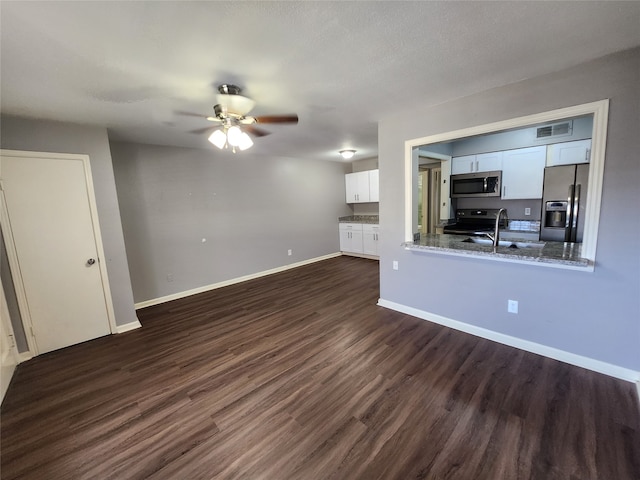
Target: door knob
91,261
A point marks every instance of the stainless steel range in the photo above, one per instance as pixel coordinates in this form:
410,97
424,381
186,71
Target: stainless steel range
471,221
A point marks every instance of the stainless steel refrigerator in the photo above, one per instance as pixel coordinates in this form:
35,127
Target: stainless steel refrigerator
564,198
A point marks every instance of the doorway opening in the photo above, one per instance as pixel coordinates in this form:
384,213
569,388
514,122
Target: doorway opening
429,192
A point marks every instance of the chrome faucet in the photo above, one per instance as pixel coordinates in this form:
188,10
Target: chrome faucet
496,231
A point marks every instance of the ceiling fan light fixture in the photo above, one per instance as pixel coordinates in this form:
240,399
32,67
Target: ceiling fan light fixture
347,154
234,136
245,141
218,138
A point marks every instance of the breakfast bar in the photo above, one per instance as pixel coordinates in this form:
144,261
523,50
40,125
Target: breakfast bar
552,254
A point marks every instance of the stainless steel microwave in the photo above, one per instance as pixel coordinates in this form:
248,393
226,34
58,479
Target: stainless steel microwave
481,184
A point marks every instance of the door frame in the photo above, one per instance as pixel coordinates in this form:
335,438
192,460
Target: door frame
9,341
12,253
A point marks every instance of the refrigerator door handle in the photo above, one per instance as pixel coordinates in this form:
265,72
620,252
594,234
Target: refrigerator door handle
574,214
569,220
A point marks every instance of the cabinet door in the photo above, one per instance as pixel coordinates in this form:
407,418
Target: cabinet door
523,173
488,162
351,187
357,187
569,153
345,240
370,239
374,188
351,237
464,164
356,241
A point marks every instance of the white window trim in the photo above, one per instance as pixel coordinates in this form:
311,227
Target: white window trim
600,112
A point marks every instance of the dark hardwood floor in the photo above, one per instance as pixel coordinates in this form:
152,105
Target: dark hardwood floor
300,375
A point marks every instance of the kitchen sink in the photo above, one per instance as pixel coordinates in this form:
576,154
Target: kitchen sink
503,243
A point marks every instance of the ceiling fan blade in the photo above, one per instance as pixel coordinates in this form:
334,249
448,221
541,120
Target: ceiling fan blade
198,115
255,131
289,118
189,114
200,131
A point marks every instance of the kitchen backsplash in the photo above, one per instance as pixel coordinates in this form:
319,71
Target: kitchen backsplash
515,208
524,225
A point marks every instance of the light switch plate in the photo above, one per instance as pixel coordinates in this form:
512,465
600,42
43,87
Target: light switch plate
512,306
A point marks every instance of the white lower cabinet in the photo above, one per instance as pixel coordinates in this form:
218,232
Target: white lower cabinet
370,239
351,237
359,238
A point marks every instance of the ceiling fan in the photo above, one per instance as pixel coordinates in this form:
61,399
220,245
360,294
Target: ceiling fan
235,125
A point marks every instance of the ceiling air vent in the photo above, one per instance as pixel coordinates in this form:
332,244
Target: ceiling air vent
555,130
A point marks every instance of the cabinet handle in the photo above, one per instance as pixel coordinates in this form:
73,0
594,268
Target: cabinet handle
504,191
471,165
477,165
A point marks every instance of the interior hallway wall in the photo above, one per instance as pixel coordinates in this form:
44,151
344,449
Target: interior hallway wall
57,137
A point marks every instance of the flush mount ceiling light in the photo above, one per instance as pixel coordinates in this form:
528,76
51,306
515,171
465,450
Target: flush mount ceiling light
347,154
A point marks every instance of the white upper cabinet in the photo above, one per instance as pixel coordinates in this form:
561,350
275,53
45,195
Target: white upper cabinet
568,153
483,162
357,187
523,172
362,187
487,162
462,164
374,185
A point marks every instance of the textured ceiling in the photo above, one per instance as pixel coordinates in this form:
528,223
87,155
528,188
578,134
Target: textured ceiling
342,66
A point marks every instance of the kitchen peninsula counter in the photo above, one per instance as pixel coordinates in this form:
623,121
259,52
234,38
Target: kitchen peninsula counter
553,254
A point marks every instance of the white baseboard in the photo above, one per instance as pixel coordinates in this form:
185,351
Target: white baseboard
544,350
361,255
24,356
225,283
128,326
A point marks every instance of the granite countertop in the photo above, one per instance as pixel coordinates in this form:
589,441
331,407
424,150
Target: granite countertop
552,253
359,219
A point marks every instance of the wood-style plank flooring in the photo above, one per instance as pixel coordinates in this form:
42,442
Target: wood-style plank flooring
300,375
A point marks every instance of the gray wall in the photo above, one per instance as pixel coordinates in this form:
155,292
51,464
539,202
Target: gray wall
596,314
250,210
520,138
46,136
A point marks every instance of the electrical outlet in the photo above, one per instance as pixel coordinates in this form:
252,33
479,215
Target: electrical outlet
395,265
527,211
169,277
512,306
289,252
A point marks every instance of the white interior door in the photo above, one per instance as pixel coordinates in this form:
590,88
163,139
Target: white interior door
51,221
